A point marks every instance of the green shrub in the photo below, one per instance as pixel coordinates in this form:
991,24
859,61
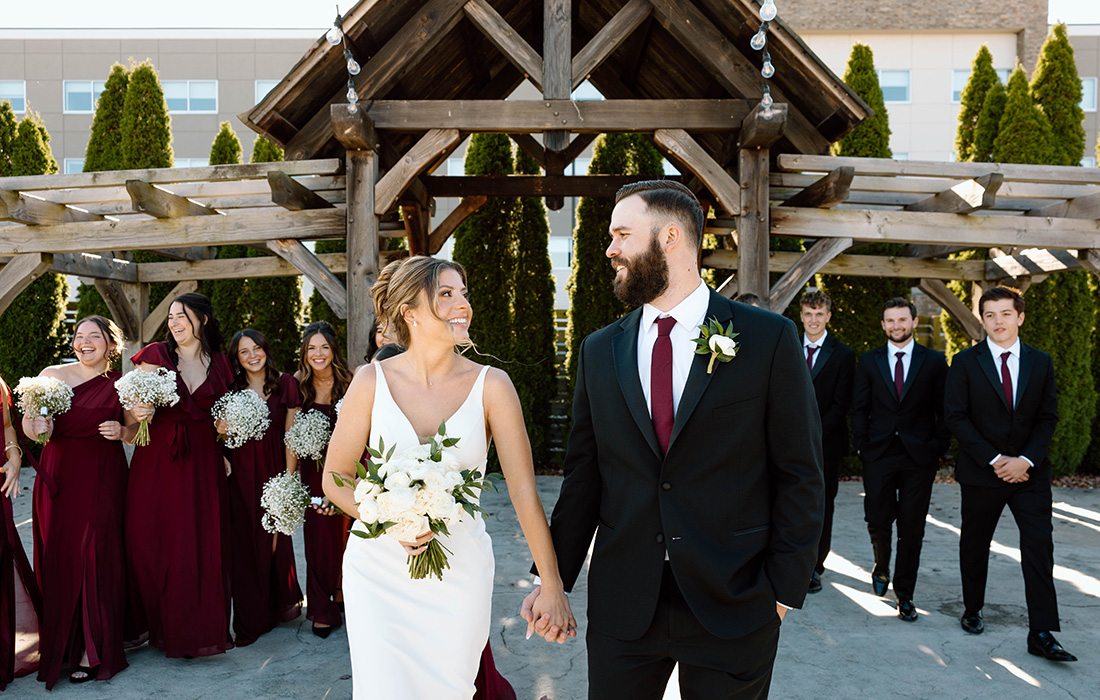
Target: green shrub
982,77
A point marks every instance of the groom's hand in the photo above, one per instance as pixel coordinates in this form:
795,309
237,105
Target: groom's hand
541,625
781,611
526,610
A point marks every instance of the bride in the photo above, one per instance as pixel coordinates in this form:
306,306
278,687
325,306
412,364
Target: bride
424,638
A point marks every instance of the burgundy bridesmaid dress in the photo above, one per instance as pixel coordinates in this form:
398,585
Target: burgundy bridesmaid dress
82,477
325,537
177,521
489,683
265,582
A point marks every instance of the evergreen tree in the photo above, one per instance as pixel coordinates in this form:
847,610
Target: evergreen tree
30,153
982,78
104,151
265,151
8,126
1056,88
146,127
534,374
857,303
989,122
226,149
227,296
1024,135
319,309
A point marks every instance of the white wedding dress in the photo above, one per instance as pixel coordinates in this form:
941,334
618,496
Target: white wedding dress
420,640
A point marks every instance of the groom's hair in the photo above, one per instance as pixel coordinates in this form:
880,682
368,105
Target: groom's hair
668,198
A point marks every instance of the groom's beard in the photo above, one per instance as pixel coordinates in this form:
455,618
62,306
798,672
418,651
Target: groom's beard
646,276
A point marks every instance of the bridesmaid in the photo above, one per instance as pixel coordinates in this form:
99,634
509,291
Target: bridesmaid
265,583
82,485
177,504
323,377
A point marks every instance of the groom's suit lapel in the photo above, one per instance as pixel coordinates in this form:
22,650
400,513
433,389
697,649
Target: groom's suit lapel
698,379
624,353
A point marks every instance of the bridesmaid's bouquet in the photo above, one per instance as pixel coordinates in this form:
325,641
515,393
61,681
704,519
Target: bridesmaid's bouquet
45,397
246,415
285,500
422,488
308,436
139,387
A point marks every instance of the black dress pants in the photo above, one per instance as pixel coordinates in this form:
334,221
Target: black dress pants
832,479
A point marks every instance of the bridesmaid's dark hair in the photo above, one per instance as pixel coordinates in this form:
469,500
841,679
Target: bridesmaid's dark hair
240,374
111,332
209,332
341,375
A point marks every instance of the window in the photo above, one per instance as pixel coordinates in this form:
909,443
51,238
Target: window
561,251
14,91
1088,162
81,95
191,162
191,96
959,79
1088,94
586,91
895,85
263,87
74,165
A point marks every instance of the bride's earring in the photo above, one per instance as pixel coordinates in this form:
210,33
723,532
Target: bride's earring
414,323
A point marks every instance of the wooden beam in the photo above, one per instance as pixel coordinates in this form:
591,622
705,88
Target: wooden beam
753,222
153,322
529,185
787,287
1091,261
353,128
617,30
557,53
931,251
443,231
162,204
690,155
28,209
954,306
514,47
963,198
95,266
530,146
1034,261
1049,174
728,288
577,146
862,265
128,303
532,116
1085,207
325,281
18,274
434,145
827,192
417,222
290,194
362,237
762,127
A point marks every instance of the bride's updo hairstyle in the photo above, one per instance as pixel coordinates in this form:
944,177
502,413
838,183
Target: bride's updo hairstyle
398,288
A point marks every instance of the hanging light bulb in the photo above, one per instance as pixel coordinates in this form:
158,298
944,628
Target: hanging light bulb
334,36
353,65
766,100
768,68
760,38
768,11
352,95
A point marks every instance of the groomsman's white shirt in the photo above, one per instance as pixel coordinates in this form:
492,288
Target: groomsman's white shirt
1013,371
892,357
690,314
815,344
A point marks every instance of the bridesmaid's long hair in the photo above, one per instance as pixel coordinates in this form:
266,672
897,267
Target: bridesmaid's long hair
240,374
111,333
398,287
209,331
341,375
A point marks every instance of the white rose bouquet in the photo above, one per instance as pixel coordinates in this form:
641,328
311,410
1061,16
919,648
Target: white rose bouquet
43,396
139,387
422,488
284,501
308,436
246,415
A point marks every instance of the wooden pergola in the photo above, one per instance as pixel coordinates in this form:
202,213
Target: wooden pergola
434,71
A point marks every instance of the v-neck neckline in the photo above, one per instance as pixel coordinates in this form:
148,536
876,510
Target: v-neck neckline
405,416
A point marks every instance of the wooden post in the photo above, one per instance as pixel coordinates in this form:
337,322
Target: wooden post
753,223
557,72
362,232
129,305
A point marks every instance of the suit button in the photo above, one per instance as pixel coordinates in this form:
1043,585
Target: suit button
666,486
660,538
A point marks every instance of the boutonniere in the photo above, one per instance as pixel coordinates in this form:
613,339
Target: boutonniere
718,342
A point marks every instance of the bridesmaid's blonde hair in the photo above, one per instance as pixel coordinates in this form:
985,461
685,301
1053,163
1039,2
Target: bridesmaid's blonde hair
398,288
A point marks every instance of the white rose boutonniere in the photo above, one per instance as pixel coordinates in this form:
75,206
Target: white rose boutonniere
718,342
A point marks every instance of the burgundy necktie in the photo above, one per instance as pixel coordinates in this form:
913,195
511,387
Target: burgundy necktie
1006,379
810,350
660,383
899,375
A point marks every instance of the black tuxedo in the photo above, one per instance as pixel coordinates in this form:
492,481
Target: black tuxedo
736,503
985,426
900,442
832,374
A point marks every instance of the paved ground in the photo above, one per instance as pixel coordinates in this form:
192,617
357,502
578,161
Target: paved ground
846,643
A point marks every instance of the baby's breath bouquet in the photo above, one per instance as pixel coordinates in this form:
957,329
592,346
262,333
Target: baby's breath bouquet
308,436
139,387
43,396
284,501
246,415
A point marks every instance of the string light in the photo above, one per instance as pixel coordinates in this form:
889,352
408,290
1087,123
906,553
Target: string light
768,68
335,37
760,38
768,10
353,65
759,42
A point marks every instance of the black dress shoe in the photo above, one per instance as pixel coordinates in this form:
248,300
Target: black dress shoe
879,584
815,583
1044,644
322,632
907,611
972,622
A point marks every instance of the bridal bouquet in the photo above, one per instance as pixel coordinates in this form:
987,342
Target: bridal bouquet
245,414
138,387
285,500
421,488
43,396
308,436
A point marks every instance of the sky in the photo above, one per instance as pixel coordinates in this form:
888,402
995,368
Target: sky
282,14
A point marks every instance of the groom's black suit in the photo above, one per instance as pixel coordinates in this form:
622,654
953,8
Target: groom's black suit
736,503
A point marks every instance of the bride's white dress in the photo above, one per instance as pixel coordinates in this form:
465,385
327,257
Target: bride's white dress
413,640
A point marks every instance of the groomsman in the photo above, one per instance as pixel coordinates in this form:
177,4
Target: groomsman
832,365
1002,405
899,433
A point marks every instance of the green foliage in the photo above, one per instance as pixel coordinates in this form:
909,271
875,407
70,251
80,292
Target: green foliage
146,126
871,139
228,296
104,151
90,303
319,310
265,151
1091,462
989,122
30,153
8,126
1056,88
956,337
274,307
1024,135
982,78
226,149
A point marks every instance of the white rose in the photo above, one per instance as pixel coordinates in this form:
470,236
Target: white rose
441,505
368,511
393,505
722,344
407,529
397,480
365,491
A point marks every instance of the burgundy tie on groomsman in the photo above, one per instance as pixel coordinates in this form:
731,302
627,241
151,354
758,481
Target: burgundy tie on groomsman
899,375
660,383
1006,380
810,350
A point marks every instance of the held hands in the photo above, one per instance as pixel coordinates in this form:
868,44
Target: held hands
10,487
1014,470
326,508
421,543
548,614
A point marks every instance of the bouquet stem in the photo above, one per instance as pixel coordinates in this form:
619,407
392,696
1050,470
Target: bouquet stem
42,438
142,437
430,562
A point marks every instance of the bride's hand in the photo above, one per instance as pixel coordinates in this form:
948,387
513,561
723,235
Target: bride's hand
553,616
421,544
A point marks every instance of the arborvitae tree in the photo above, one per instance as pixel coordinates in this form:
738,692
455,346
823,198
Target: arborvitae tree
1056,88
484,246
533,373
226,149
857,303
30,153
989,122
265,151
8,126
1091,462
982,78
227,296
146,126
1024,135
104,151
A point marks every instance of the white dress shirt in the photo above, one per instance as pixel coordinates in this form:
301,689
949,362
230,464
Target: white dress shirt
1013,371
815,344
689,314
906,360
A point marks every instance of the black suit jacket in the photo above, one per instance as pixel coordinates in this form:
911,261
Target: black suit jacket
917,419
834,368
737,502
977,414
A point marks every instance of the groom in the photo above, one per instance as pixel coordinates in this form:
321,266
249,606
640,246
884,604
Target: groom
704,488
